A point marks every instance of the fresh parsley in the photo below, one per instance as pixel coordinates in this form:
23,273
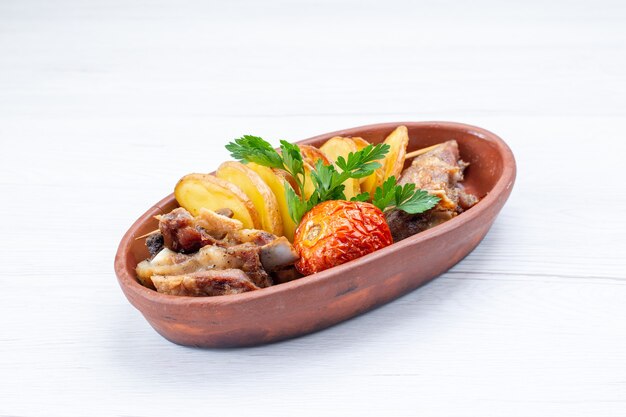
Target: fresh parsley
405,198
328,179
254,149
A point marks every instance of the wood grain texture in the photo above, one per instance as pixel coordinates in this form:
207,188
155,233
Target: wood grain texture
107,101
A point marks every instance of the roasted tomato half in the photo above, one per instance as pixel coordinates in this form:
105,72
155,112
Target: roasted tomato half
338,231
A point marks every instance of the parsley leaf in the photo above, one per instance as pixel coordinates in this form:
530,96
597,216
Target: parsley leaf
254,149
297,207
292,158
363,163
328,180
322,176
419,202
405,198
385,196
361,197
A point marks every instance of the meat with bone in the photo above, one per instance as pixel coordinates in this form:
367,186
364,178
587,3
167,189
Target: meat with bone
220,243
168,262
439,172
277,254
187,234
403,224
217,223
181,233
205,283
155,243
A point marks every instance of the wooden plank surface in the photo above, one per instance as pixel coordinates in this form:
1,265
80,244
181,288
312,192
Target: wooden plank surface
105,104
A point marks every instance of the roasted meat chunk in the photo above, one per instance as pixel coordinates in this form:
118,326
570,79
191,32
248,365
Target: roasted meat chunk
168,262
205,283
278,253
211,242
439,172
403,224
155,243
181,232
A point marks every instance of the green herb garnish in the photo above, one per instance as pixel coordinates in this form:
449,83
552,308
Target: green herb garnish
328,179
405,198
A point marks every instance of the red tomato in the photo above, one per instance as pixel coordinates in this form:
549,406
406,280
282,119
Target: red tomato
338,231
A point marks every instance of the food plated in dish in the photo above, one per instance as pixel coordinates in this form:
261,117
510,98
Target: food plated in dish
256,311
340,199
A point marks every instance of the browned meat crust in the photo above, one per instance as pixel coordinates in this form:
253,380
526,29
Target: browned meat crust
211,242
181,234
439,172
286,274
205,283
185,234
169,263
248,260
403,224
155,243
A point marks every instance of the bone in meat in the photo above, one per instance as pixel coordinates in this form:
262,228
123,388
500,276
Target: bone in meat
244,257
205,283
278,253
181,233
439,172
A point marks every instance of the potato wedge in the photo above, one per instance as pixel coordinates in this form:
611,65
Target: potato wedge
257,191
309,188
311,155
275,179
372,182
393,163
195,191
333,149
359,142
397,140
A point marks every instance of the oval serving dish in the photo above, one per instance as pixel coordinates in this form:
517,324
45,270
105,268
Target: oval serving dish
329,297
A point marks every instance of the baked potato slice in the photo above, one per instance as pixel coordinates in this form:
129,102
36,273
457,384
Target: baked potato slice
258,192
275,180
309,187
393,163
196,191
311,155
397,140
340,146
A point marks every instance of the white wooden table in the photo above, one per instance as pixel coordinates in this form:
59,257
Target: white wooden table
105,104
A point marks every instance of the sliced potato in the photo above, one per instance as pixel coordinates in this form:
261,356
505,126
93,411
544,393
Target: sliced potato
373,181
220,225
311,155
359,142
340,146
309,187
393,163
275,179
195,191
397,140
257,191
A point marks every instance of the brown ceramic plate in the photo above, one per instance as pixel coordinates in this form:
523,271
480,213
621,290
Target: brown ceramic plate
329,297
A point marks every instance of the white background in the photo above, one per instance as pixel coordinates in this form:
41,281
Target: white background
105,104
